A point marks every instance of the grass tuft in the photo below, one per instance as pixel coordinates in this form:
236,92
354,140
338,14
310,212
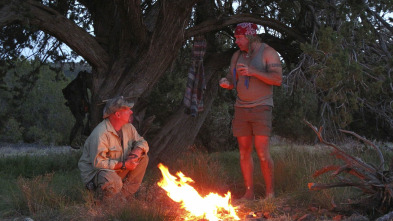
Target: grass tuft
49,187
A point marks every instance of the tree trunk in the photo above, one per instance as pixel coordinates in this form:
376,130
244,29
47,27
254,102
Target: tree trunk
134,68
181,129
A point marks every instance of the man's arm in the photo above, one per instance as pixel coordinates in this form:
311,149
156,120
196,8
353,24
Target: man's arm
138,142
138,146
132,159
227,82
99,151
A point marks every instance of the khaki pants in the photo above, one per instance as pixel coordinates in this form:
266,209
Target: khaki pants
128,182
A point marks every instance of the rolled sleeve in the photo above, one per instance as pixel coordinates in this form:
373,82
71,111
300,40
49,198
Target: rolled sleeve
143,145
101,160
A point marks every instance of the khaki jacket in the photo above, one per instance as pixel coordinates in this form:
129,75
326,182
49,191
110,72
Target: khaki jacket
103,150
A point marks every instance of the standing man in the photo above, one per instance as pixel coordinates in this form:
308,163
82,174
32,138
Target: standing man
114,157
77,96
254,70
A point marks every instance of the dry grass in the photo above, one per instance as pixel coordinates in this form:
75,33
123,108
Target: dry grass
60,195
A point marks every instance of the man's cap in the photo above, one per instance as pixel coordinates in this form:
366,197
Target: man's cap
115,104
246,29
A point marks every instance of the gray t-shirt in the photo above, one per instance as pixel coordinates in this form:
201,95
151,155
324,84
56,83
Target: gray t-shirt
258,92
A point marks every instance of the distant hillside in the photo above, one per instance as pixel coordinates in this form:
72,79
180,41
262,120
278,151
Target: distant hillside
72,69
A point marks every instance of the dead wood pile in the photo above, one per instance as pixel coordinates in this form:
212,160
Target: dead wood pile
375,181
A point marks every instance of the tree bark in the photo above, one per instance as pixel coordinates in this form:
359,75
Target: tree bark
180,130
135,68
132,47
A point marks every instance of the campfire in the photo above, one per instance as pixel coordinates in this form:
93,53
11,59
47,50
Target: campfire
211,207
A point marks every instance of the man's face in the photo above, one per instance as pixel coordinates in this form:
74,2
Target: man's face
242,42
125,115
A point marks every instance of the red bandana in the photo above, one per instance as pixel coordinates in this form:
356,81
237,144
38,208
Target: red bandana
246,29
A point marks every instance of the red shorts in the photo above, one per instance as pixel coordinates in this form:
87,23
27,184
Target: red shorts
252,121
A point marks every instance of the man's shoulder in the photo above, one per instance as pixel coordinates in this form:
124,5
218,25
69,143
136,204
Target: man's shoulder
102,127
270,52
129,126
99,132
236,53
268,48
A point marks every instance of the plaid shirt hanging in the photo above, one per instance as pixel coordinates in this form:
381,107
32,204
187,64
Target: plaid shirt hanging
193,97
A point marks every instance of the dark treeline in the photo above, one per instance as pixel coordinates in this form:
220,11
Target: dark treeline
34,111
337,58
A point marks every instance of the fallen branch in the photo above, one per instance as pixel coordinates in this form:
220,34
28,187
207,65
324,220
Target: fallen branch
374,181
382,161
346,157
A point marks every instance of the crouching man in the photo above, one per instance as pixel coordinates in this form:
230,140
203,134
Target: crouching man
114,157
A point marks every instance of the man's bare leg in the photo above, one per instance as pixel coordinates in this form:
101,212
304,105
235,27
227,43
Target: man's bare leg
247,165
267,164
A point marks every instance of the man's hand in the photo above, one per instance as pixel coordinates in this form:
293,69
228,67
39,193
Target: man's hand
137,151
224,83
132,162
245,70
133,158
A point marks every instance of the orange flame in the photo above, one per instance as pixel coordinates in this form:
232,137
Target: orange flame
211,207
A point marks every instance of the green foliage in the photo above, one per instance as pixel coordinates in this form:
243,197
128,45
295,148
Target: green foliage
216,133
44,109
40,135
167,95
348,49
12,131
289,112
343,87
34,105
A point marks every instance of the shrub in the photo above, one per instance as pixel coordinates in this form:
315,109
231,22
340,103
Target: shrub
12,131
39,135
31,95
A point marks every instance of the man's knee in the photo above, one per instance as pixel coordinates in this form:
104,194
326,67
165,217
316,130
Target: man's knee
139,172
245,155
135,177
144,161
109,182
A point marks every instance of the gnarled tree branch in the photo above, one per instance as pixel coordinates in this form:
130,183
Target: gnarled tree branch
52,22
217,24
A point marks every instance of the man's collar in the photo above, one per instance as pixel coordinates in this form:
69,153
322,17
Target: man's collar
110,127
